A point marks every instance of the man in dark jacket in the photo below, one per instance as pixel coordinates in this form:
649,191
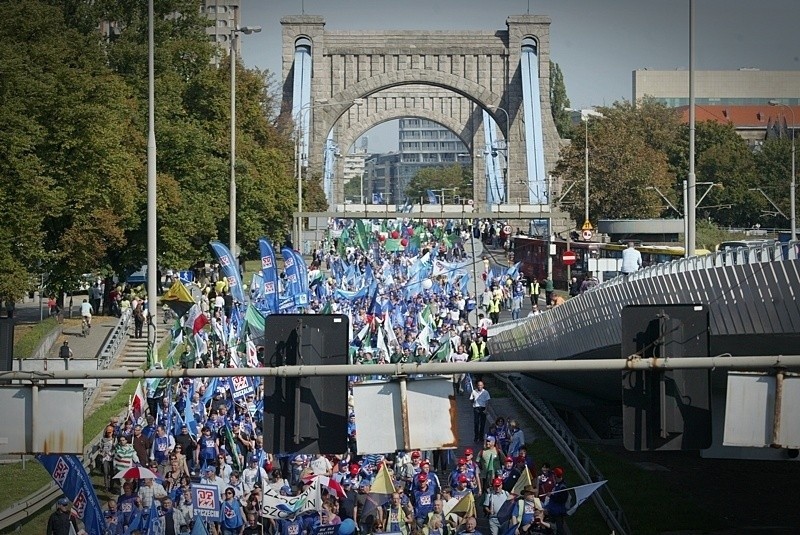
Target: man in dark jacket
60,521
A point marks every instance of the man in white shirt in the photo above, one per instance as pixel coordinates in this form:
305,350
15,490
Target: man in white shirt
480,399
631,260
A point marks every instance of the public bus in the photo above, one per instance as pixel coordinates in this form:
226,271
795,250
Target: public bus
602,259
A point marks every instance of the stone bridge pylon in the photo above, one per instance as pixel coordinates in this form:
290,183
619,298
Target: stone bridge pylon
339,84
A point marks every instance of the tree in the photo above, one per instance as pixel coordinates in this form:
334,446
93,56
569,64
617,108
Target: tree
624,161
454,180
774,169
559,102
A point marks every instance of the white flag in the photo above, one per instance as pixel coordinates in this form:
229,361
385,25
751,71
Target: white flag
582,493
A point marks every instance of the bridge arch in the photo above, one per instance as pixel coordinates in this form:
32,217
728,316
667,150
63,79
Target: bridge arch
465,72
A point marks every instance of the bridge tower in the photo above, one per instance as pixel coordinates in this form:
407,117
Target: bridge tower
475,83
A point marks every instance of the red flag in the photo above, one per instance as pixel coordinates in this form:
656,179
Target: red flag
138,403
199,322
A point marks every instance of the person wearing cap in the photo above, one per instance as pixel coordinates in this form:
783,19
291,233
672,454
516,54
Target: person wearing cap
509,474
556,505
472,467
492,502
253,474
524,513
423,498
210,478
60,521
433,479
490,461
367,511
460,469
462,487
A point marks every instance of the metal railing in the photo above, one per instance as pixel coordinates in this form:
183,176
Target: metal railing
732,283
567,444
110,350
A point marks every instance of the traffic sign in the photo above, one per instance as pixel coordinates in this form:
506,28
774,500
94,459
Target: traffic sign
568,258
507,230
587,235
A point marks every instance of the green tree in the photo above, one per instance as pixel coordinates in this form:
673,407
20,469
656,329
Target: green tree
453,179
69,166
774,169
624,162
559,101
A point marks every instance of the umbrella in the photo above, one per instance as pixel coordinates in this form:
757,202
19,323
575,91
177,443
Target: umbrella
136,472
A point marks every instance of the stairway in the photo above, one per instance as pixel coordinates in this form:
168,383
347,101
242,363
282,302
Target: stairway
132,357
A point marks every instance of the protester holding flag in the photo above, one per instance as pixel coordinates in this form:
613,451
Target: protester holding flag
60,521
556,505
493,502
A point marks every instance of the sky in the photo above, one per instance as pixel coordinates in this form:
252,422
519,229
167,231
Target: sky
597,43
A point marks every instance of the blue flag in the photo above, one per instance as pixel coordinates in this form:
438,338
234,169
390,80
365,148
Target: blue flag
153,520
71,477
230,270
296,277
432,197
269,269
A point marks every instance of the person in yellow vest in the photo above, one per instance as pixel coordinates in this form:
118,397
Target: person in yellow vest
477,349
534,289
494,309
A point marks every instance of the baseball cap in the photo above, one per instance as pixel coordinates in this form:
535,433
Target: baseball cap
210,470
426,463
354,469
558,471
63,501
497,482
462,461
468,451
462,478
423,478
287,489
253,459
415,455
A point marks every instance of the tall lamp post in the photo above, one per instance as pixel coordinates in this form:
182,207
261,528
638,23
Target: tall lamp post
508,152
792,183
585,115
152,257
247,30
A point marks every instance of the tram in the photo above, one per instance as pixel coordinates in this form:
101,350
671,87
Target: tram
603,260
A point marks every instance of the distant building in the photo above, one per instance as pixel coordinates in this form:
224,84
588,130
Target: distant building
424,143
225,15
382,179
740,98
354,169
743,87
753,123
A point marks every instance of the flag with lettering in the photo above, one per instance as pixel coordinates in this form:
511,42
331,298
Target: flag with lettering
71,477
273,505
269,270
230,270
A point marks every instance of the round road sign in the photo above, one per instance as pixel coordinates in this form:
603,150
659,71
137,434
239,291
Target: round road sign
568,258
507,230
587,235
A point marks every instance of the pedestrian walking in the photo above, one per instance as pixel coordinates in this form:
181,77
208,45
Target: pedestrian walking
480,400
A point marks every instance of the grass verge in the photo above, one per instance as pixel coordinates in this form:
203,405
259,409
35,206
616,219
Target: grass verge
18,483
28,336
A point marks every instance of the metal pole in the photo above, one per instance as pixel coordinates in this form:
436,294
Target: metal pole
745,362
691,187
685,219
586,167
232,210
152,257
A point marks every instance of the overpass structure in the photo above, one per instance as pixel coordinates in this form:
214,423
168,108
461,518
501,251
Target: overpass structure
752,298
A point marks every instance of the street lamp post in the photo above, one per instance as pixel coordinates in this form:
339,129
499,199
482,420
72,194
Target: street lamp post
792,183
585,115
507,185
232,211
